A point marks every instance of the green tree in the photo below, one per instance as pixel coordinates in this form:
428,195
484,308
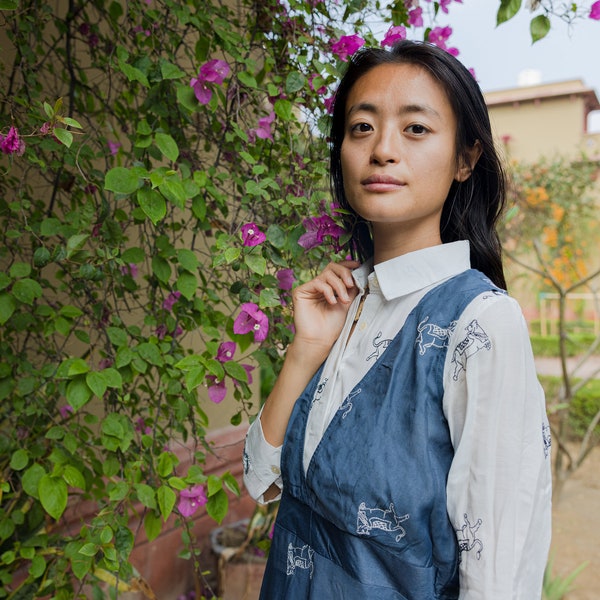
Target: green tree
550,232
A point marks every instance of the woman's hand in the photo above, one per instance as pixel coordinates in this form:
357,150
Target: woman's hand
321,306
320,309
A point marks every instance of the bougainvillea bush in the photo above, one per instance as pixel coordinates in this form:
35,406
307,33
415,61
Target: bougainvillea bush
163,186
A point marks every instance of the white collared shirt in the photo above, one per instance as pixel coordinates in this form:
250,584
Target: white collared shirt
499,484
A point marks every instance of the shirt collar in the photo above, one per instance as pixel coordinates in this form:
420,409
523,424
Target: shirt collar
416,270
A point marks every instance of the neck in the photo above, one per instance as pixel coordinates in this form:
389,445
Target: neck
388,246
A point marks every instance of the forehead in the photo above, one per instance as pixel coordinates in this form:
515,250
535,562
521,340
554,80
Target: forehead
390,85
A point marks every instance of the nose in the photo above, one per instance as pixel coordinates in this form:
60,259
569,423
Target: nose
386,147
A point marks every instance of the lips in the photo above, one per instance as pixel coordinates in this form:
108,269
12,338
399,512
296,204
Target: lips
381,183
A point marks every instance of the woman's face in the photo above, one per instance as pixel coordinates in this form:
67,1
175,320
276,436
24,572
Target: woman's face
398,154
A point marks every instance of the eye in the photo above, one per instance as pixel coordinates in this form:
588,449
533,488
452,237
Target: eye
361,128
417,129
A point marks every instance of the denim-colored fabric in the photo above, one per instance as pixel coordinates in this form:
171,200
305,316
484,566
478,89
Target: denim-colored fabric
369,518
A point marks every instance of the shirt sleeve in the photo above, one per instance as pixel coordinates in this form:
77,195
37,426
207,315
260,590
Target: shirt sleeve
499,484
261,464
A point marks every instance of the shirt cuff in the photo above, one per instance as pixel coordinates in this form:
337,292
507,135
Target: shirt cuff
262,464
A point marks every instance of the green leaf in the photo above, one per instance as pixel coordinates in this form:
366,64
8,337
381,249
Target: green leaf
213,485
38,566
247,79
507,10
63,136
88,549
170,71
78,393
74,477
294,82
152,203
283,109
53,495
77,366
145,495
167,145
236,371
133,255
232,254
187,284
7,307
150,353
194,377
71,122
166,464
230,482
26,290
133,74
152,525
187,259
31,480
19,269
75,243
217,506
97,383
256,263
539,27
117,336
166,500
19,460
161,268
9,4
121,181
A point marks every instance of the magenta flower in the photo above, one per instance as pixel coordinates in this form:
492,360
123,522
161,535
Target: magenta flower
285,279
248,369
130,269
415,17
444,4
252,235
216,390
346,46
113,147
393,35
439,36
65,410
226,351
263,131
251,318
329,104
11,143
317,228
191,500
214,71
595,11
171,300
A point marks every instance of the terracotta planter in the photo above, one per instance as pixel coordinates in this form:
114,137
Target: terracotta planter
239,574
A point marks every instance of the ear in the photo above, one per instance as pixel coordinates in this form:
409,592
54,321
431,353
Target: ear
466,168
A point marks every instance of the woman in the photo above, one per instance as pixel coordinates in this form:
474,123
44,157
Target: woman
406,434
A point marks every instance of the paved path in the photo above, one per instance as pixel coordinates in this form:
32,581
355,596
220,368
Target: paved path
551,366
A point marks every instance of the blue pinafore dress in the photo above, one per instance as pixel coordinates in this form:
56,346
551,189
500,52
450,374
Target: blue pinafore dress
368,520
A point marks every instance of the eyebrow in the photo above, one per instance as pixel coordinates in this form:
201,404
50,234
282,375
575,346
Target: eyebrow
405,109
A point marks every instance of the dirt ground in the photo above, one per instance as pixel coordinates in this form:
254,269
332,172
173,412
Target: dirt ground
576,529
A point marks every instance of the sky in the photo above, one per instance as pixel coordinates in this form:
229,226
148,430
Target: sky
500,54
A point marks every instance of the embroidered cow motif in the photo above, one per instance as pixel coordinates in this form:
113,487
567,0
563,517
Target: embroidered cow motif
245,461
319,393
467,540
379,346
299,558
476,340
384,519
432,335
346,405
547,437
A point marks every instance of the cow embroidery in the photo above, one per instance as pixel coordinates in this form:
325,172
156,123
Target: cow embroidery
346,405
301,558
432,335
476,340
384,519
467,540
379,346
319,393
547,437
245,461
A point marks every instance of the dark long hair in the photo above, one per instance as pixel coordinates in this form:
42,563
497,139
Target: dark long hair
472,207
